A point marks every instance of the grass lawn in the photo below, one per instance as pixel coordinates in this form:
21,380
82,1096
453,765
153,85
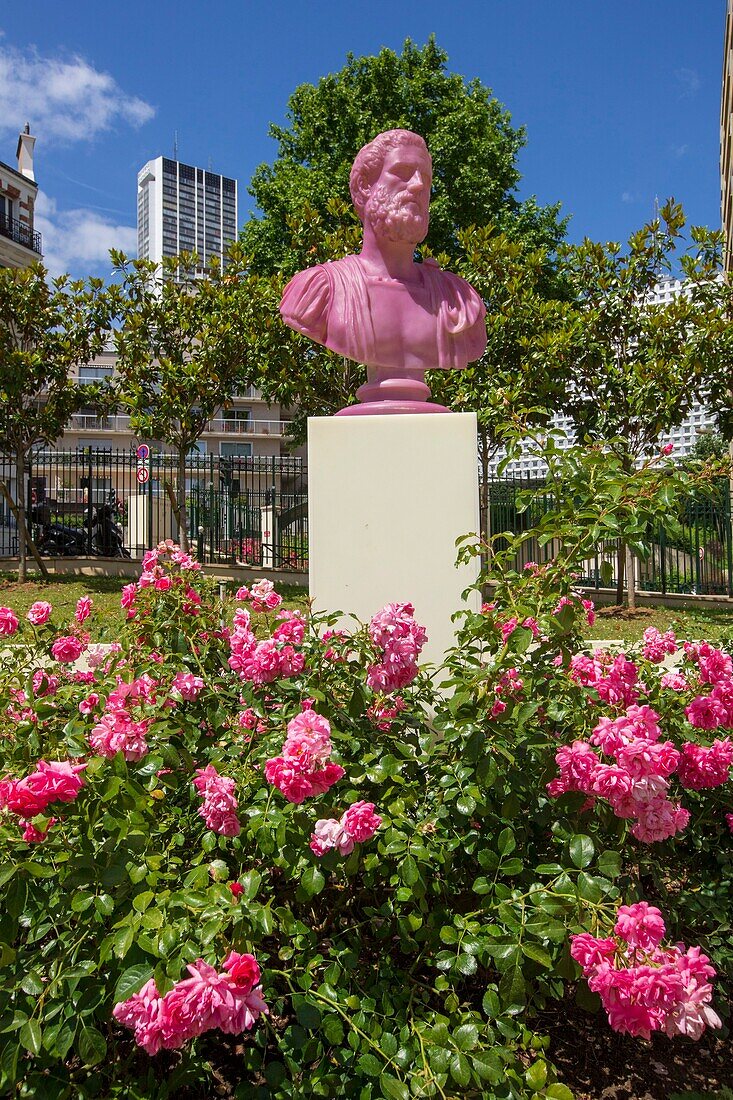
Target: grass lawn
63,592
610,624
700,624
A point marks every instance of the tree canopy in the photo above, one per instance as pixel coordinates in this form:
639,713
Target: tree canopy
45,329
179,348
469,133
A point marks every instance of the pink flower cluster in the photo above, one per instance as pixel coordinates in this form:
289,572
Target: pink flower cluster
230,1000
643,986
615,679
304,769
262,662
187,686
219,806
261,596
117,731
399,639
382,715
58,781
637,785
357,824
702,767
658,645
509,683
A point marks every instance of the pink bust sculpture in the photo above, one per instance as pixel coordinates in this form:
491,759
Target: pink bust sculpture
398,317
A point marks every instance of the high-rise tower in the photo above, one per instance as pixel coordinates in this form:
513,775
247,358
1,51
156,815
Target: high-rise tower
184,209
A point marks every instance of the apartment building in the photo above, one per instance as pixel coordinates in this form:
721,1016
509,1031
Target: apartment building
20,244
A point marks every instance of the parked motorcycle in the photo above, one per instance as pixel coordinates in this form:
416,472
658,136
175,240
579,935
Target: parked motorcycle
64,541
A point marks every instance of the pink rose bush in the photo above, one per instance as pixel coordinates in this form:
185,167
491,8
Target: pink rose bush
229,1000
39,613
260,785
636,780
643,985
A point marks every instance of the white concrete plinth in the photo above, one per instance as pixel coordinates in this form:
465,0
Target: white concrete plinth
387,498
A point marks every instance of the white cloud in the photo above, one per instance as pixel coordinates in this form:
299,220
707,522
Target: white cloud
678,151
629,196
78,241
688,81
65,99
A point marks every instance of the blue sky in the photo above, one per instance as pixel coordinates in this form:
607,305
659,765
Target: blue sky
620,100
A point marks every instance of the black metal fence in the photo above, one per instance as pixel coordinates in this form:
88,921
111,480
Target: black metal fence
691,553
254,511
239,510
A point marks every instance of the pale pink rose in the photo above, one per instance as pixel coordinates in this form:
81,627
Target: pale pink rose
39,613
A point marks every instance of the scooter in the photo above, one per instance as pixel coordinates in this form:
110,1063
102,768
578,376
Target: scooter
61,540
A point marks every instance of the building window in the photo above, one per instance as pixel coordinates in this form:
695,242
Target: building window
235,450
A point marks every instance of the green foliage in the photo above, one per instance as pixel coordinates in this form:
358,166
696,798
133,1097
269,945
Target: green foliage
181,347
469,134
638,366
46,328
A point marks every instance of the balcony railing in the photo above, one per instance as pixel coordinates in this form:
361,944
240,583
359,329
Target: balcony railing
20,233
88,422
248,427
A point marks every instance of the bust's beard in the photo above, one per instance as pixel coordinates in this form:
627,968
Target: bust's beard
393,217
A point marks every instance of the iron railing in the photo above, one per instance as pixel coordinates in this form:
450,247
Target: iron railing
691,552
239,510
20,233
254,511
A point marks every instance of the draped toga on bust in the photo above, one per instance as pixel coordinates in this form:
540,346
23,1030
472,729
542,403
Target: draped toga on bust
332,303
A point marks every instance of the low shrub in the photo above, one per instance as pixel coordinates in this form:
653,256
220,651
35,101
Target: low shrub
292,862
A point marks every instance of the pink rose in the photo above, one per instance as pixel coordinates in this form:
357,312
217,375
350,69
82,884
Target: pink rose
8,622
67,649
83,609
39,613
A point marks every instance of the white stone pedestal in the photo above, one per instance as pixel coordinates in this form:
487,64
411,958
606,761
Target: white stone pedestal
387,498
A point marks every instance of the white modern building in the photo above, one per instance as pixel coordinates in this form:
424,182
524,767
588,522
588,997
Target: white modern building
181,208
697,422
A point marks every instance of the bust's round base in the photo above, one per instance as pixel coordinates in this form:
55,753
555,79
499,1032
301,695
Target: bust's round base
387,407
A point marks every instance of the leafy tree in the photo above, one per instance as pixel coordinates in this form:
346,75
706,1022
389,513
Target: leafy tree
306,215
180,346
638,366
710,445
45,328
523,374
469,134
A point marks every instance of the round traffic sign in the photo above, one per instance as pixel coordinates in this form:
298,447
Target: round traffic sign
142,475
143,452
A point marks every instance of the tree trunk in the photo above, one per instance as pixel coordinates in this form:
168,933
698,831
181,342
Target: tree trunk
630,580
181,494
620,570
21,503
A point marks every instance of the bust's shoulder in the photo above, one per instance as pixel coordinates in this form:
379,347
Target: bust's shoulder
306,300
